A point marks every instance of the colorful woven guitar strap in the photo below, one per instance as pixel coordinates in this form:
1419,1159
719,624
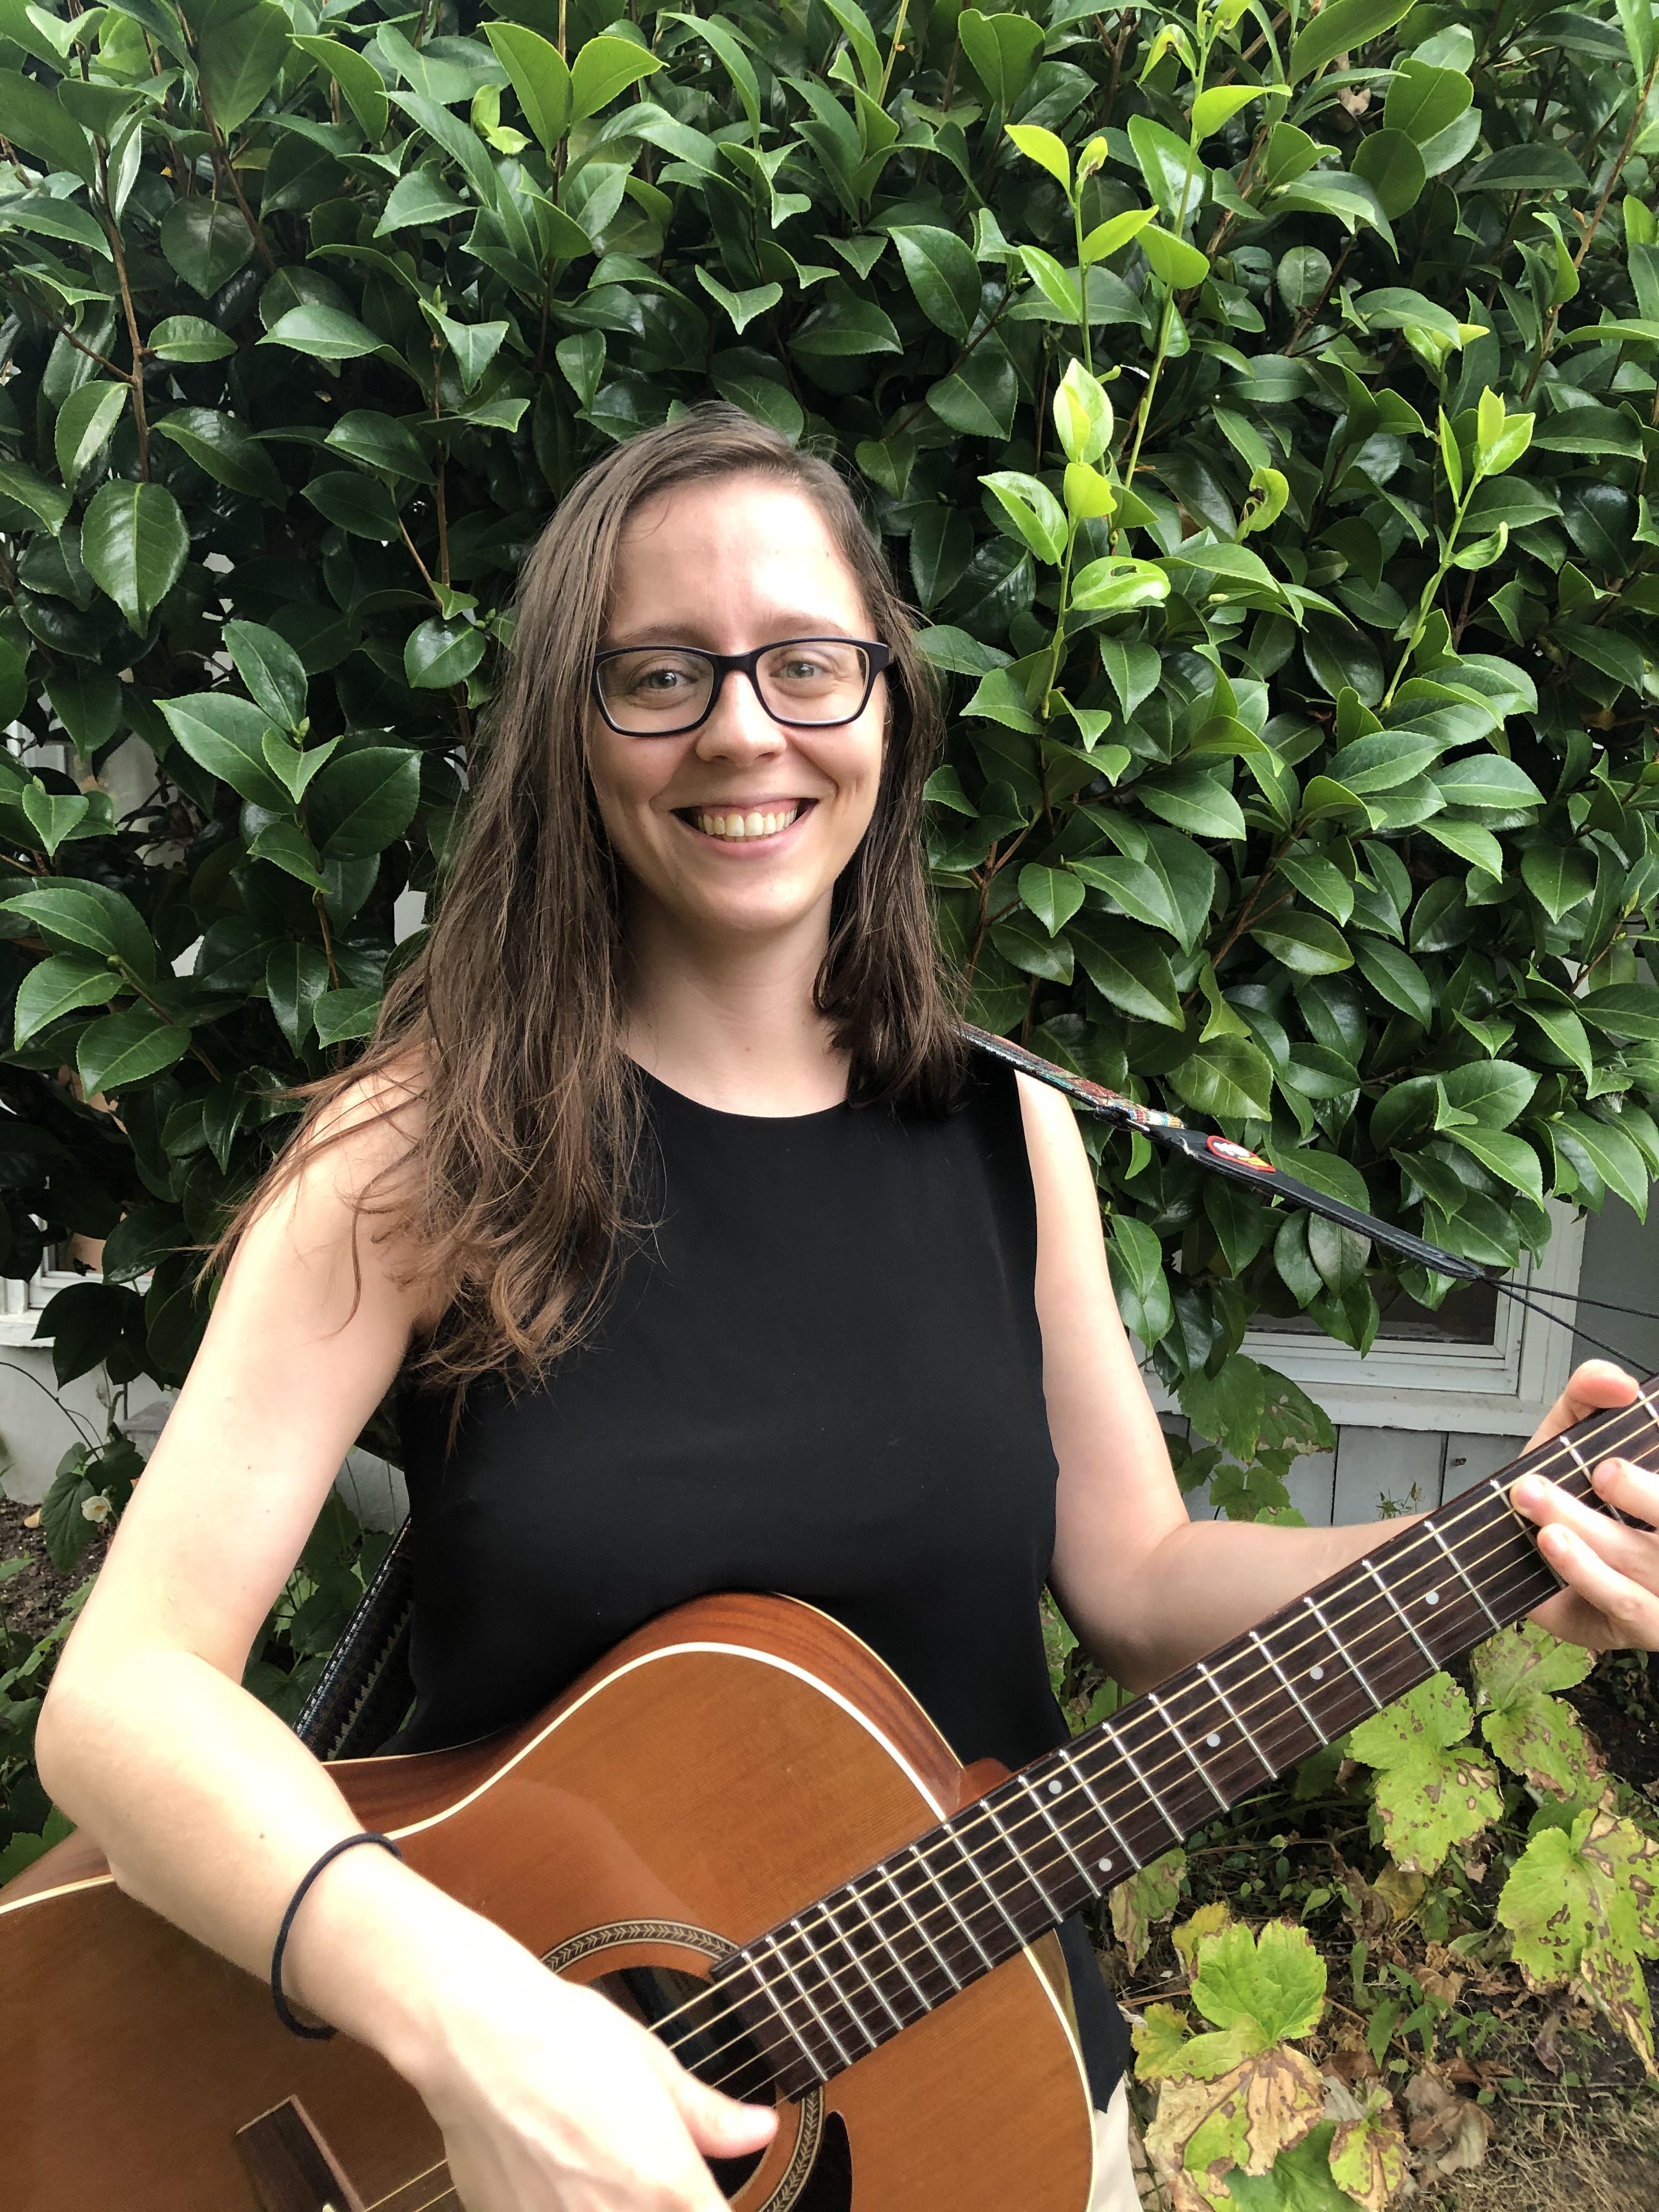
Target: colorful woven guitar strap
1220,1155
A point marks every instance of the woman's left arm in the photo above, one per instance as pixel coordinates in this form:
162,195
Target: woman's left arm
1146,1588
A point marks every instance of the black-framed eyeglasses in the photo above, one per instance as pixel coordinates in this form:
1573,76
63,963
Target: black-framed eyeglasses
804,682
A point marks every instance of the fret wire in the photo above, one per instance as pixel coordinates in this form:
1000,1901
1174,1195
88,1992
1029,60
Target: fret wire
983,1881
1131,1862
1338,1646
855,1896
1227,1707
956,1909
1432,1657
946,1967
989,1806
1028,1783
1266,1653
1462,1573
838,2047
1531,1574
820,1961
1200,1768
881,1996
1159,1805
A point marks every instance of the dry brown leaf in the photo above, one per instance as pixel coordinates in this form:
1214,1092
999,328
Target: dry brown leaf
1451,2132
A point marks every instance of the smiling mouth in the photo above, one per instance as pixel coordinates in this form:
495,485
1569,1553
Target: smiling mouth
734,825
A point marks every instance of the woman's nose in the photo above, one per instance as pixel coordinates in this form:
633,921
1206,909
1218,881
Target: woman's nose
738,727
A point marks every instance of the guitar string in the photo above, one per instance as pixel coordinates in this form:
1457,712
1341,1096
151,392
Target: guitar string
431,2203
1550,1450
1410,1549
896,1952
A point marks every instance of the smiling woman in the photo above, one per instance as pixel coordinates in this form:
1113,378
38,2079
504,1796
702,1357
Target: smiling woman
703,1265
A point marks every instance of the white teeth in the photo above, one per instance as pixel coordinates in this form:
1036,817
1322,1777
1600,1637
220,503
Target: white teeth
753,825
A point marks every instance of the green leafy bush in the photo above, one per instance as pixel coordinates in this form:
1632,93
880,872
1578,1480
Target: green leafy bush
1259,407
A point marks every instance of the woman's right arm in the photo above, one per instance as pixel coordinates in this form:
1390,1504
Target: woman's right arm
209,1810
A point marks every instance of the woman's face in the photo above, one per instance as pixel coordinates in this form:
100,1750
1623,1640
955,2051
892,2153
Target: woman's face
728,565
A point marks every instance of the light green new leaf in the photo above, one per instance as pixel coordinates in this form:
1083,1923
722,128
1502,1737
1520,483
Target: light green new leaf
1048,151
1270,1986
1172,260
1579,1904
1532,1731
603,69
1116,584
1109,237
1222,101
1433,1790
539,77
85,422
1033,511
134,544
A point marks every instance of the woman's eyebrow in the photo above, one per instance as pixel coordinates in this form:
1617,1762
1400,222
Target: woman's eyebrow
778,629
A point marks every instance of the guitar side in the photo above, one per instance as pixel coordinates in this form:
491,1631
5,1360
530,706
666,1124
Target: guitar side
719,1771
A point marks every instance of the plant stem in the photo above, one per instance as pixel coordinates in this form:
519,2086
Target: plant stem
893,52
225,169
117,251
1143,414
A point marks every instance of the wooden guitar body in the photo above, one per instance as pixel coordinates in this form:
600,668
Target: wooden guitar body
718,1773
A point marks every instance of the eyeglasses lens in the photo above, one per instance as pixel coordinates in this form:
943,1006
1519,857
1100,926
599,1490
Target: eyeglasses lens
666,688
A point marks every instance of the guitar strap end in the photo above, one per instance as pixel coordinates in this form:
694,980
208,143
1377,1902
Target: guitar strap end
1220,1155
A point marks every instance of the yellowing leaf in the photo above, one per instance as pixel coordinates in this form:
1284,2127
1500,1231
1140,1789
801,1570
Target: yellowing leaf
1580,1907
1368,2154
1147,1898
1532,1732
1208,1920
1245,2117
1159,2035
1431,1791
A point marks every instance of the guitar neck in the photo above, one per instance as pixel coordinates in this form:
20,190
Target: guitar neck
847,1973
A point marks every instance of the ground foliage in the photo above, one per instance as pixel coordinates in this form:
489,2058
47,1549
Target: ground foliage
1259,406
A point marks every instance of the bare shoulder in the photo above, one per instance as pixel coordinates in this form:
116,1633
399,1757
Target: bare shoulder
369,1136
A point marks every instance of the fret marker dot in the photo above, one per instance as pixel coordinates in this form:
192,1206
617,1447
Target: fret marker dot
1055,1788
1432,1597
1105,1866
1214,1743
1315,1674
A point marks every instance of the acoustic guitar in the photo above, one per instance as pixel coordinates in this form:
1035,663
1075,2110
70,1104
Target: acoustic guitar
741,1827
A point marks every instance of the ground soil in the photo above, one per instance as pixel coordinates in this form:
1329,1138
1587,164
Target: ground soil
31,1601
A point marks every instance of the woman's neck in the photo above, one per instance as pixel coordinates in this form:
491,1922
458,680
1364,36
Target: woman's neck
732,1025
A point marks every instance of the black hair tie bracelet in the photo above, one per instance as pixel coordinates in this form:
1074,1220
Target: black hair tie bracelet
284,2011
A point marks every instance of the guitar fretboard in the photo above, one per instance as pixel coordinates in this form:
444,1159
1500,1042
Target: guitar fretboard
818,1991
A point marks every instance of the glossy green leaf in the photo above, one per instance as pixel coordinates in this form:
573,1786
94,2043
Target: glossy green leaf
239,50
539,77
59,986
218,443
360,83
1002,51
85,423
603,69
1340,28
206,241
362,800
134,543
943,274
227,735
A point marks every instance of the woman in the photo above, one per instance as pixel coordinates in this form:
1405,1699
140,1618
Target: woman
677,1165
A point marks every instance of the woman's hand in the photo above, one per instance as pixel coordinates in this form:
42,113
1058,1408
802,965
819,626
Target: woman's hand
1612,1572
551,2100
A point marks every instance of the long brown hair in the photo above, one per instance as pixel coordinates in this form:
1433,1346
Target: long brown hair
511,1009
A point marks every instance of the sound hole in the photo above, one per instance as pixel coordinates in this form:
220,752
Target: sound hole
721,2054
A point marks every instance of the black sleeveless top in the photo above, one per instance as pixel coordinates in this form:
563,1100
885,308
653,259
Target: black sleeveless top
819,1372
